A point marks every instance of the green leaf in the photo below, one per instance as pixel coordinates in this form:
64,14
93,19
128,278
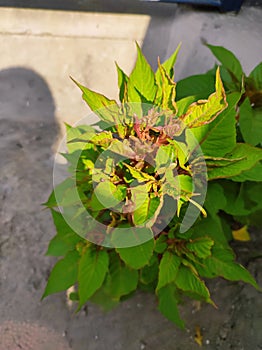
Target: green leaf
164,156
253,174
137,254
74,133
221,264
256,74
219,137
205,111
93,266
139,174
63,194
149,273
215,198
168,305
196,86
211,225
229,61
160,244
201,247
253,192
237,201
168,269
122,148
109,194
189,282
141,81
250,123
183,104
146,211
103,299
122,84
248,156
98,103
139,194
168,65
65,240
122,279
51,201
63,275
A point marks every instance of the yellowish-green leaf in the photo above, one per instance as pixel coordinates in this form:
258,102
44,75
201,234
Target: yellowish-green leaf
138,174
219,137
168,88
205,111
168,65
141,84
98,103
145,213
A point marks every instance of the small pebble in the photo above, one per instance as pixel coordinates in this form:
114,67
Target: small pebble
142,346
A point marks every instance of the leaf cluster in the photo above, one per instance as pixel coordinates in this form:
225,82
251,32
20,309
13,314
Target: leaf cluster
144,153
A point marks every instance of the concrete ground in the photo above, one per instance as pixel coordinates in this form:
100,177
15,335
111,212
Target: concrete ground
40,49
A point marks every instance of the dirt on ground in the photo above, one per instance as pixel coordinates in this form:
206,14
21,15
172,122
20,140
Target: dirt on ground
28,135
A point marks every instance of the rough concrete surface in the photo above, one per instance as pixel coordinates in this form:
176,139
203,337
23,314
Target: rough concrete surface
36,96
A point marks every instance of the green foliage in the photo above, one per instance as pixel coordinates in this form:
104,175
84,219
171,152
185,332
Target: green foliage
141,164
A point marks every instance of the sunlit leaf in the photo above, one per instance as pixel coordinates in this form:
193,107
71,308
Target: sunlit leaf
205,111
219,137
98,103
141,84
168,65
168,88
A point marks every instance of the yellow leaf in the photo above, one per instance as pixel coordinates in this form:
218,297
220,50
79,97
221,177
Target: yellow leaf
198,336
241,235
